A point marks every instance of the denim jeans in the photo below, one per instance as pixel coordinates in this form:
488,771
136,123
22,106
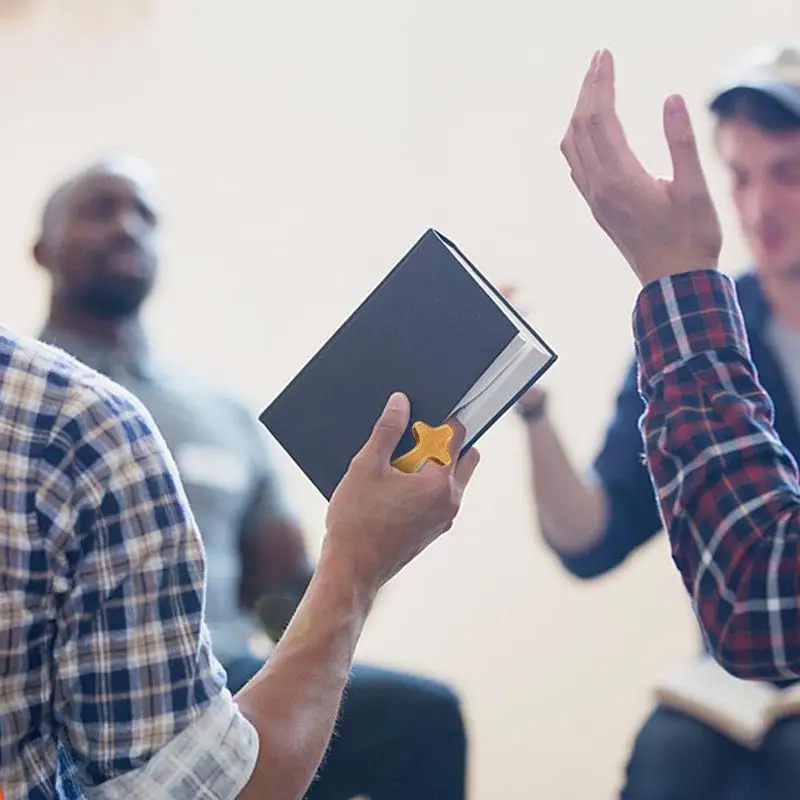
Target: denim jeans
676,757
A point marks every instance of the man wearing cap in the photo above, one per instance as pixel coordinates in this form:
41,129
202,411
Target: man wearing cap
602,518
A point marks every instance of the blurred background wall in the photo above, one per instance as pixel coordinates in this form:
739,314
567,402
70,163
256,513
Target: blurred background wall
302,147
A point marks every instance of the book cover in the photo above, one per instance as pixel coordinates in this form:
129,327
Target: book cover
430,329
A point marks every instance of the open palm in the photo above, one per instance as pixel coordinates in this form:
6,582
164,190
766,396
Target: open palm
660,226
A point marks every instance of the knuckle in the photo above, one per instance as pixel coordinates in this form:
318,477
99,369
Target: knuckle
603,203
453,508
357,462
443,501
451,500
607,191
698,209
594,121
447,499
598,200
698,202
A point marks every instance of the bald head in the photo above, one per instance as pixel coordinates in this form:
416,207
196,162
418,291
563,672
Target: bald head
98,238
129,168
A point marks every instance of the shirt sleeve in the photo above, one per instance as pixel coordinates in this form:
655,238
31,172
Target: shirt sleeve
135,675
633,517
212,758
727,487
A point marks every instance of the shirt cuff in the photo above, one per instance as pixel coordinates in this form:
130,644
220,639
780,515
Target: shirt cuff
213,758
682,316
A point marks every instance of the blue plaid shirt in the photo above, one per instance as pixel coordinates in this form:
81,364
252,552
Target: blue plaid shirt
107,678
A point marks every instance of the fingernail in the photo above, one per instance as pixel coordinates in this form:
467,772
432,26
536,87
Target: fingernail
675,106
395,402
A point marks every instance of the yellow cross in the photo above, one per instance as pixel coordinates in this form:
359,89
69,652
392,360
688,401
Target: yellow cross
432,445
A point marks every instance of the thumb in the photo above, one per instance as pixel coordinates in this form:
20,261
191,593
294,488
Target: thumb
688,177
508,290
389,428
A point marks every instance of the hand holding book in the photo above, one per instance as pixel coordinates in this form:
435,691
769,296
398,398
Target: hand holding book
380,518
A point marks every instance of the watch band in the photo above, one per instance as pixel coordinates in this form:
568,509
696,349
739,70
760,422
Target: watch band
533,411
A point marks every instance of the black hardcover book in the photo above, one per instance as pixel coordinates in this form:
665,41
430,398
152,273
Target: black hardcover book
436,330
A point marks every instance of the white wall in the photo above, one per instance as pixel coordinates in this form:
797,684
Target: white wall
303,147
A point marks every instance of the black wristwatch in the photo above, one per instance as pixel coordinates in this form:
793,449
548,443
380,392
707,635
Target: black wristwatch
533,411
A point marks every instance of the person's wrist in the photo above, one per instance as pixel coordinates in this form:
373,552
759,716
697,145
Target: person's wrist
531,411
649,273
341,566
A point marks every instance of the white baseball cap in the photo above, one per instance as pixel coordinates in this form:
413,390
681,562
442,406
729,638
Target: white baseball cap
772,69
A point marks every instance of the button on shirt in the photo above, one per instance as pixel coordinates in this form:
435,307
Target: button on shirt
105,661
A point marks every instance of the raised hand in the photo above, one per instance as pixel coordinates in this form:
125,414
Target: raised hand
661,227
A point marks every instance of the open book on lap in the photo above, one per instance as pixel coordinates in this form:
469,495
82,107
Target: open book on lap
434,328
742,710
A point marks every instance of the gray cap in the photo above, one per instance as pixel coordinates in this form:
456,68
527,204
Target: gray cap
773,69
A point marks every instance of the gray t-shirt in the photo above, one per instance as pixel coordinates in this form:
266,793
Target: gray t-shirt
785,345
222,454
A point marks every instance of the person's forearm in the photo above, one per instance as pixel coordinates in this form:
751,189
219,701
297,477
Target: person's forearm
294,700
572,512
728,488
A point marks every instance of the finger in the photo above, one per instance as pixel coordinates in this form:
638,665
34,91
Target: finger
688,177
576,167
508,290
581,121
603,124
454,447
569,146
466,467
388,430
457,442
584,95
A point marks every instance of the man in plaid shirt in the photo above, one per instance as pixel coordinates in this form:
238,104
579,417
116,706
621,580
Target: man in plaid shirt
108,683
399,735
728,489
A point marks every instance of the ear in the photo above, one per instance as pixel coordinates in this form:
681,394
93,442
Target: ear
40,253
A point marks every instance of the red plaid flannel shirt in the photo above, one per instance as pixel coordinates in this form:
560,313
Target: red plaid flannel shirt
728,489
